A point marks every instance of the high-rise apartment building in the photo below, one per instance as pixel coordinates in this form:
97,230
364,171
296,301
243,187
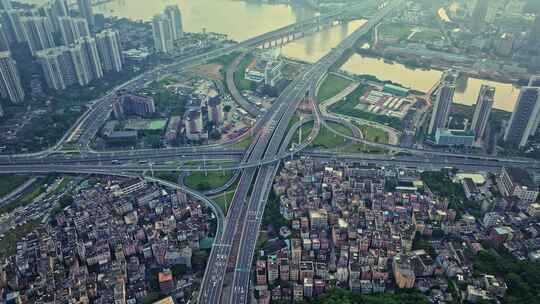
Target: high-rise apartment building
175,16
526,115
4,42
110,50
443,101
11,23
5,5
85,8
91,57
58,68
10,82
72,29
64,66
482,110
38,33
163,34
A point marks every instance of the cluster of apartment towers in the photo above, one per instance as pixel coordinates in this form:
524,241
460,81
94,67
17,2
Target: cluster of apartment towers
523,123
78,55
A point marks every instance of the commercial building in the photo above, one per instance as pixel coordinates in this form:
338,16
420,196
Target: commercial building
443,101
110,50
174,14
526,115
264,71
163,34
132,105
85,8
38,33
482,110
517,182
446,137
10,82
72,29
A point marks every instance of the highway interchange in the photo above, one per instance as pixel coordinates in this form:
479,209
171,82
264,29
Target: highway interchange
232,254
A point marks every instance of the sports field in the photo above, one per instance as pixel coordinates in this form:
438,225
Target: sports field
146,124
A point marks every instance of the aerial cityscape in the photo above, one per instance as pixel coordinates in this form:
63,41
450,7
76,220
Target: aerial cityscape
269,151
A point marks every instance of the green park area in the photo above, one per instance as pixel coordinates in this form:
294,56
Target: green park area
243,144
203,181
374,134
328,139
394,30
241,82
426,35
9,183
347,107
224,200
331,86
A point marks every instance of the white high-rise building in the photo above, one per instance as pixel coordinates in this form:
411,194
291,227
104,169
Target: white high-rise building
175,16
10,82
64,66
38,33
85,8
72,29
163,34
57,67
91,57
443,101
110,50
482,110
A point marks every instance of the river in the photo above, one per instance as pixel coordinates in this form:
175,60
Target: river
241,20
466,92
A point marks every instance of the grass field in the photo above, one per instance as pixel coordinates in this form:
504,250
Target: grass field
224,200
374,134
306,130
243,144
331,86
395,31
363,148
427,35
146,124
208,180
9,183
328,140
